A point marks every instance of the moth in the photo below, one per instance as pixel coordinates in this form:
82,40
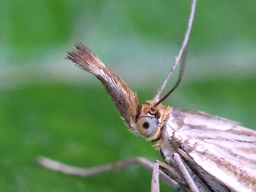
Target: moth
202,153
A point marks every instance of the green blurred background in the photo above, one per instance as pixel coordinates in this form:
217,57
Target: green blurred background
50,107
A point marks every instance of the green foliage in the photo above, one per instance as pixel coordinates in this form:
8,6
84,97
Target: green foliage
77,123
29,28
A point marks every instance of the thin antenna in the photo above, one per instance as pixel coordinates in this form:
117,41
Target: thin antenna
182,67
177,59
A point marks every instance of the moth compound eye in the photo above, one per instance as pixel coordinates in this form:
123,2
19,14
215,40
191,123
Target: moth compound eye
146,126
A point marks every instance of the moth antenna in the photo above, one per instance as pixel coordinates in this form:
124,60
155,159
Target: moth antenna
177,59
182,67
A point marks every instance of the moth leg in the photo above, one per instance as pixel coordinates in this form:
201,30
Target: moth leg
155,186
85,172
193,181
159,168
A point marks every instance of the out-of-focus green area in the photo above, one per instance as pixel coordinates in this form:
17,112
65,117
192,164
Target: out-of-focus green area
47,107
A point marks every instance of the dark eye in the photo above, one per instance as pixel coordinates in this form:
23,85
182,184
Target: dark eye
146,126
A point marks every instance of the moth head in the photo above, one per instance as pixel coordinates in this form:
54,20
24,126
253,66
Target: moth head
150,120
147,125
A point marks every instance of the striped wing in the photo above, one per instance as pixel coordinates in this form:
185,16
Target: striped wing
221,147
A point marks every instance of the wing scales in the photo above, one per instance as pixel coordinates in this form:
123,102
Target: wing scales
221,147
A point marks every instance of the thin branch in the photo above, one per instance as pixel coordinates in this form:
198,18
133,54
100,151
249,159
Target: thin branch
183,46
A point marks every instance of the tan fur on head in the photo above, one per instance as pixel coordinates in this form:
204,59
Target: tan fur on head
124,98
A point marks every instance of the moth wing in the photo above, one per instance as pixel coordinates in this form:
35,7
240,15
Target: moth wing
221,147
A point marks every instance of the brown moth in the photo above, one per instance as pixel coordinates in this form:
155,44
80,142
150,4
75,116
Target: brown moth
202,152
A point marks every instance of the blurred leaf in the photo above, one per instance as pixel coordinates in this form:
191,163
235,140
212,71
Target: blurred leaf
45,110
